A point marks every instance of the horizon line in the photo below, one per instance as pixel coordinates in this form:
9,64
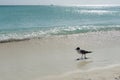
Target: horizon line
58,5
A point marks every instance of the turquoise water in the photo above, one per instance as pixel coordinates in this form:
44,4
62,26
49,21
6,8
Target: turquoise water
21,22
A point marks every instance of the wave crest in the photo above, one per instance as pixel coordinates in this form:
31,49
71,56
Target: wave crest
98,12
27,35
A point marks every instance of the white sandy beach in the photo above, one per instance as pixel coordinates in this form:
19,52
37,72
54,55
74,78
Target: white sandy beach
54,58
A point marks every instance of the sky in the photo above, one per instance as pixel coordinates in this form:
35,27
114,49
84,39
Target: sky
59,2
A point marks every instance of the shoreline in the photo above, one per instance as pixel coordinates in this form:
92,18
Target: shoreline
59,36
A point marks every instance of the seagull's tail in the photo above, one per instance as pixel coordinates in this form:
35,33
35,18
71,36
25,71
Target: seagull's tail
89,52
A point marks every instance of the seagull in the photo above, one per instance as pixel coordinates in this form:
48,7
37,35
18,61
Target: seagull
83,52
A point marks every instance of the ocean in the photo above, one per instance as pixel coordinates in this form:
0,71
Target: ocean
26,22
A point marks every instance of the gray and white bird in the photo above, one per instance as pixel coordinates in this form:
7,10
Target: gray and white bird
83,52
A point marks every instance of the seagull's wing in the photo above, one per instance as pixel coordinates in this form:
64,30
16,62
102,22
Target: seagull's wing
84,51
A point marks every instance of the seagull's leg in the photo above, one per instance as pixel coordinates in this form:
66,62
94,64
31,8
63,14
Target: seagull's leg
82,56
85,56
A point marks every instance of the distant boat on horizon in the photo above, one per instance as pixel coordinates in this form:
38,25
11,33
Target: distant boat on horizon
51,4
